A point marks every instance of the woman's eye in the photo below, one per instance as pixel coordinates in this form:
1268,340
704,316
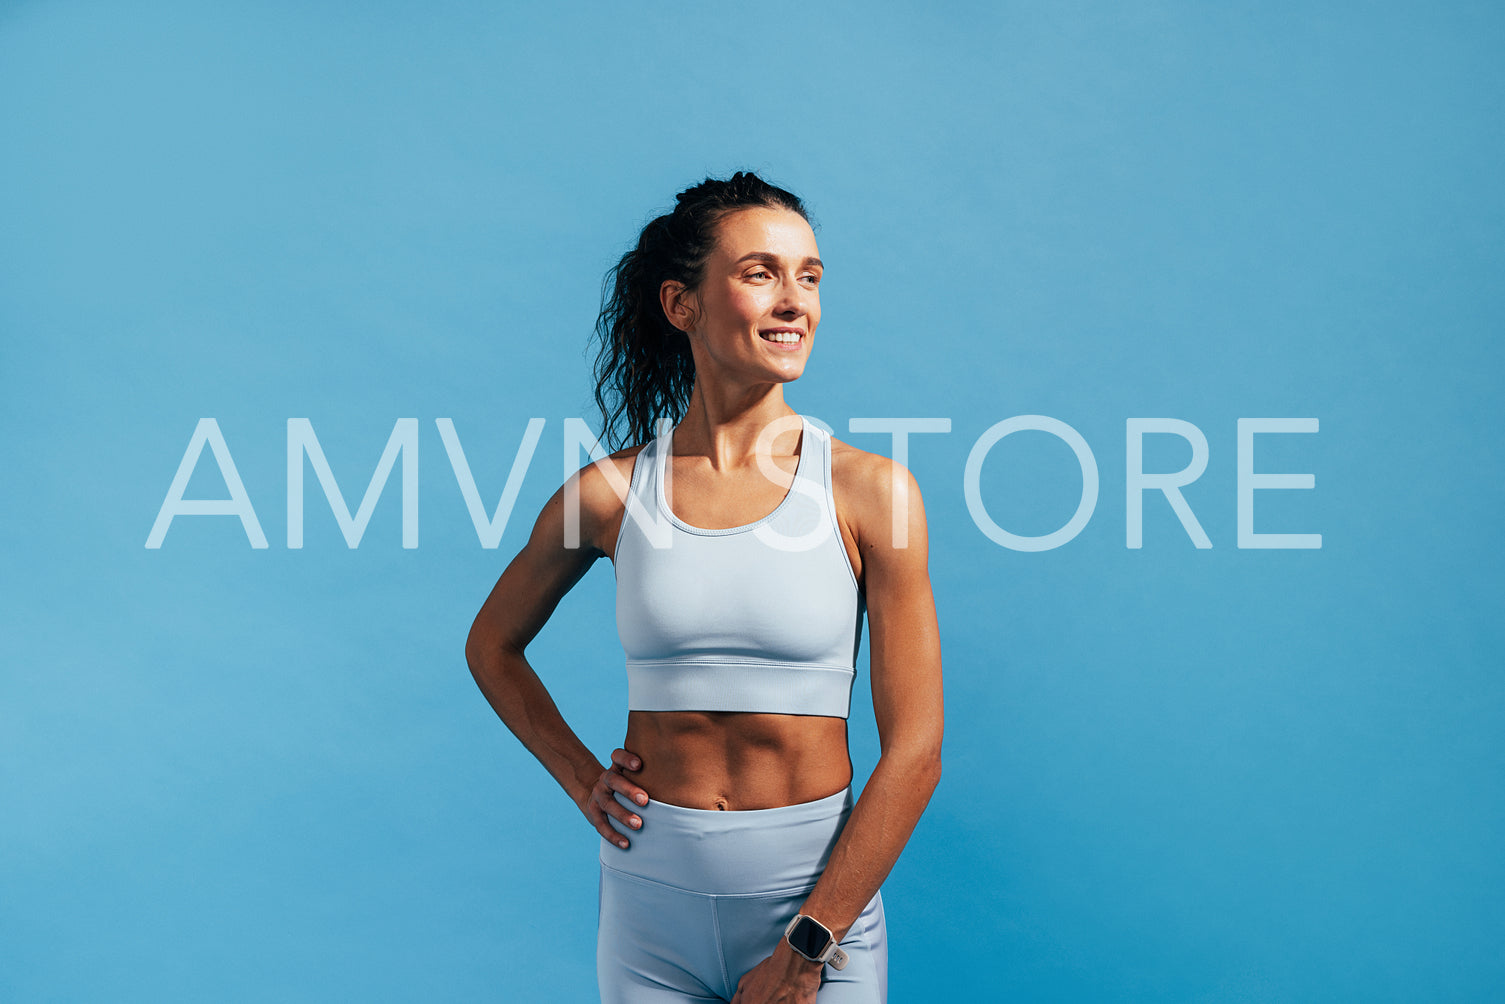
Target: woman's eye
813,280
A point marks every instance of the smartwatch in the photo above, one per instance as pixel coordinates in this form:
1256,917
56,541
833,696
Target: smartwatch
812,940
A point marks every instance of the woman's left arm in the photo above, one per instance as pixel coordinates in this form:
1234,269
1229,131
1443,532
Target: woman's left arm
888,520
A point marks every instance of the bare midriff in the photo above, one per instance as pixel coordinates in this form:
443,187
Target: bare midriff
738,760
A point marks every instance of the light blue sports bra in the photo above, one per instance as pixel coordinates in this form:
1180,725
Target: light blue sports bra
765,617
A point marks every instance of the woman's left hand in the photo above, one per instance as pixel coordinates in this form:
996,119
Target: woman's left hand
782,978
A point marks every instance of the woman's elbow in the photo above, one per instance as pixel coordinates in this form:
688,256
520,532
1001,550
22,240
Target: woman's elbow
492,648
475,647
928,755
483,648
931,767
920,761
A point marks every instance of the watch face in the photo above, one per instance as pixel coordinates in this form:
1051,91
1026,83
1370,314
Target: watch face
809,938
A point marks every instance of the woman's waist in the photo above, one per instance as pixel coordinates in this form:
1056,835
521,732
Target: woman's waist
736,761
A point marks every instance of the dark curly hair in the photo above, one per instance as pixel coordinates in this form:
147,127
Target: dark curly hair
644,370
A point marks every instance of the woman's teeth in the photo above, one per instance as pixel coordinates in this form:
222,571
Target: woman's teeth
782,336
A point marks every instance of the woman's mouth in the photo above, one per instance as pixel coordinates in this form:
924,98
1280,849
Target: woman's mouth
783,339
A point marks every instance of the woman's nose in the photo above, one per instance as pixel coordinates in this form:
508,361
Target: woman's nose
791,301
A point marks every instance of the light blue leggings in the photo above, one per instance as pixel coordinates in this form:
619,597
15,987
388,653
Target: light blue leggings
702,896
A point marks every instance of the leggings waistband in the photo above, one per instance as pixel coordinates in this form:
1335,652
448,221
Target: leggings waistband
730,853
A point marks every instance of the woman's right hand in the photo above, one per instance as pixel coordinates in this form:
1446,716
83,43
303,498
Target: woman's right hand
601,802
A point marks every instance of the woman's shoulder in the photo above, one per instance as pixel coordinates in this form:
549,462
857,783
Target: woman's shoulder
603,483
600,490
860,473
867,486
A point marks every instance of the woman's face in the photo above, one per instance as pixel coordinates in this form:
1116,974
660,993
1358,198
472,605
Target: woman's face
754,315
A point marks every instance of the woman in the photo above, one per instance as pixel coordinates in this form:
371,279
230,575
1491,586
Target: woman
748,544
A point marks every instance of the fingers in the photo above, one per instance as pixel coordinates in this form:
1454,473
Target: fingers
623,760
626,760
616,782
603,806
612,806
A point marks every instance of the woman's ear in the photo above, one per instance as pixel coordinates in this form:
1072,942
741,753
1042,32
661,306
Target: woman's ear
679,305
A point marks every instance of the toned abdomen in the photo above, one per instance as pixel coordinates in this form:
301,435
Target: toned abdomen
738,760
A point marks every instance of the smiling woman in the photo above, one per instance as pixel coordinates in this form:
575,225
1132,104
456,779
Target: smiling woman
748,546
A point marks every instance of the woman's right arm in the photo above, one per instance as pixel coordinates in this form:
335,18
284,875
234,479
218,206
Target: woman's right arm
517,609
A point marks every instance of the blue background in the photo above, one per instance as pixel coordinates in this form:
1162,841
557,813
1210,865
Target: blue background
1171,773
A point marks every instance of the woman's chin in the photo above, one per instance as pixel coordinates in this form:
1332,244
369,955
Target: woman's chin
785,370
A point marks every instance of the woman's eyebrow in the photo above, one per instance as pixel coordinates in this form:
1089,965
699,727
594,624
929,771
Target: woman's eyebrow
768,258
